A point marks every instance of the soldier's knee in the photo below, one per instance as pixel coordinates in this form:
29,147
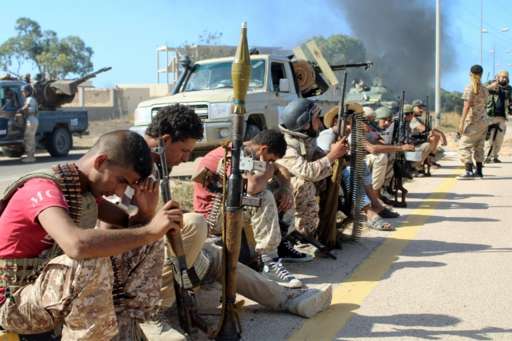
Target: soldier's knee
194,224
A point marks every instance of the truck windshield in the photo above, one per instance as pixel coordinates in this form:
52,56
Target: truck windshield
9,101
218,75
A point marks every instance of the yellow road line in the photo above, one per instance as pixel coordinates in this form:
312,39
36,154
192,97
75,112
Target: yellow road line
351,293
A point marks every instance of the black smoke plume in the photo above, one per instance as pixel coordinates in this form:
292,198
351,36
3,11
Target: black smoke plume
399,35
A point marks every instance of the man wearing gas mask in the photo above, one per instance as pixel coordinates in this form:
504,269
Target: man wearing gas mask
498,107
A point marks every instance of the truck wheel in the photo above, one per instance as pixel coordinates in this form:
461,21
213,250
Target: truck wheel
59,143
13,151
251,130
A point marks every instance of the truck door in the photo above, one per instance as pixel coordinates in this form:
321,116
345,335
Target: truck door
282,87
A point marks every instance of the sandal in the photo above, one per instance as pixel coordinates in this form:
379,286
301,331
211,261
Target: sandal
387,213
380,225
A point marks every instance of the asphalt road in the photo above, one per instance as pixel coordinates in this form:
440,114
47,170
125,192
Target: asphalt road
445,273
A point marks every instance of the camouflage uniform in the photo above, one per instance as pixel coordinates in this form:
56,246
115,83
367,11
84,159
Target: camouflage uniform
473,137
76,294
302,161
498,118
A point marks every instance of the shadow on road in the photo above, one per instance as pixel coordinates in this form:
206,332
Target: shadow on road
446,195
364,327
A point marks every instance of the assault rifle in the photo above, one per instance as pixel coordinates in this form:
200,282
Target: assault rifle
428,129
400,132
327,232
188,316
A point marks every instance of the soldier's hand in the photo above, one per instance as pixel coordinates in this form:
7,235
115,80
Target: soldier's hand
168,218
338,149
407,148
146,197
284,200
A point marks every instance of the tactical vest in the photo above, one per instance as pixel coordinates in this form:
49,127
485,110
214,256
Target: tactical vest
493,99
83,209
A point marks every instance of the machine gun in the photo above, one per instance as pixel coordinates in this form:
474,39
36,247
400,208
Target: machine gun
340,67
51,94
400,133
188,316
428,130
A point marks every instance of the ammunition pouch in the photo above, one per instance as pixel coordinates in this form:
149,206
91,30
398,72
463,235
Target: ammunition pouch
194,275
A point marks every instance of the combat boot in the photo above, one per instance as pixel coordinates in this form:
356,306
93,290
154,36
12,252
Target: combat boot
479,167
468,175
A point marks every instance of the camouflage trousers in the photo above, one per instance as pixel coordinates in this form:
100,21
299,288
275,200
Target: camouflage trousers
264,221
140,276
500,136
307,207
30,135
71,293
265,224
378,164
471,144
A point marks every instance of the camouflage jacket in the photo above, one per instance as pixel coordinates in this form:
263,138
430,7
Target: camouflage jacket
303,158
477,103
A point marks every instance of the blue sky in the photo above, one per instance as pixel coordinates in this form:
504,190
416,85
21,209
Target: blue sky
125,34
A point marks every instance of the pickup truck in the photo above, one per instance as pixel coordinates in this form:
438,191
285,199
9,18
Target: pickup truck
55,130
206,87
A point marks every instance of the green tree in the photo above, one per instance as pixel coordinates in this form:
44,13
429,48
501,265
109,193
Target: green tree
45,51
451,101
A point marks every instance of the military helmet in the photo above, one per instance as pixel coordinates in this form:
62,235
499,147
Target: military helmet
28,89
408,108
418,103
297,114
382,113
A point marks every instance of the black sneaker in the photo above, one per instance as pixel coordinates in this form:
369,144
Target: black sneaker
496,160
287,253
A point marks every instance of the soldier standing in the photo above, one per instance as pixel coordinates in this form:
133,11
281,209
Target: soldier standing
499,106
473,124
29,110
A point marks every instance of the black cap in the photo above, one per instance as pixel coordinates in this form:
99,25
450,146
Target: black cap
477,69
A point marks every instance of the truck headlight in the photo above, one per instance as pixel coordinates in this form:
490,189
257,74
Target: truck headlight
219,110
142,115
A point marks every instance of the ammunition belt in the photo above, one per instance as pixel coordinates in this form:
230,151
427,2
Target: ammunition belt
18,272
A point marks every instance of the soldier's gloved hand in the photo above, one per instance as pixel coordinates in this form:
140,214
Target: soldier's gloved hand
338,150
146,198
407,148
168,218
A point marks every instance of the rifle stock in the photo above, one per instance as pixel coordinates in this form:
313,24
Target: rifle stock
185,298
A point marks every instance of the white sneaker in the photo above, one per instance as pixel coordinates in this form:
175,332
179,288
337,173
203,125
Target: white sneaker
310,302
275,271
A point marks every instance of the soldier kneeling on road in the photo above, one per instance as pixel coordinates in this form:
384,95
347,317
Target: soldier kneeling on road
51,212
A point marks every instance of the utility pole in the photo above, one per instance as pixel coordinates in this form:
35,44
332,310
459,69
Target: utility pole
438,62
481,32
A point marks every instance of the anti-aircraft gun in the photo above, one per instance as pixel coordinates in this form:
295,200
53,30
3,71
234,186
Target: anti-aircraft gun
56,125
52,94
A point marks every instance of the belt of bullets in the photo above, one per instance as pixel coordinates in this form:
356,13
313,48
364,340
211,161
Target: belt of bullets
357,169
